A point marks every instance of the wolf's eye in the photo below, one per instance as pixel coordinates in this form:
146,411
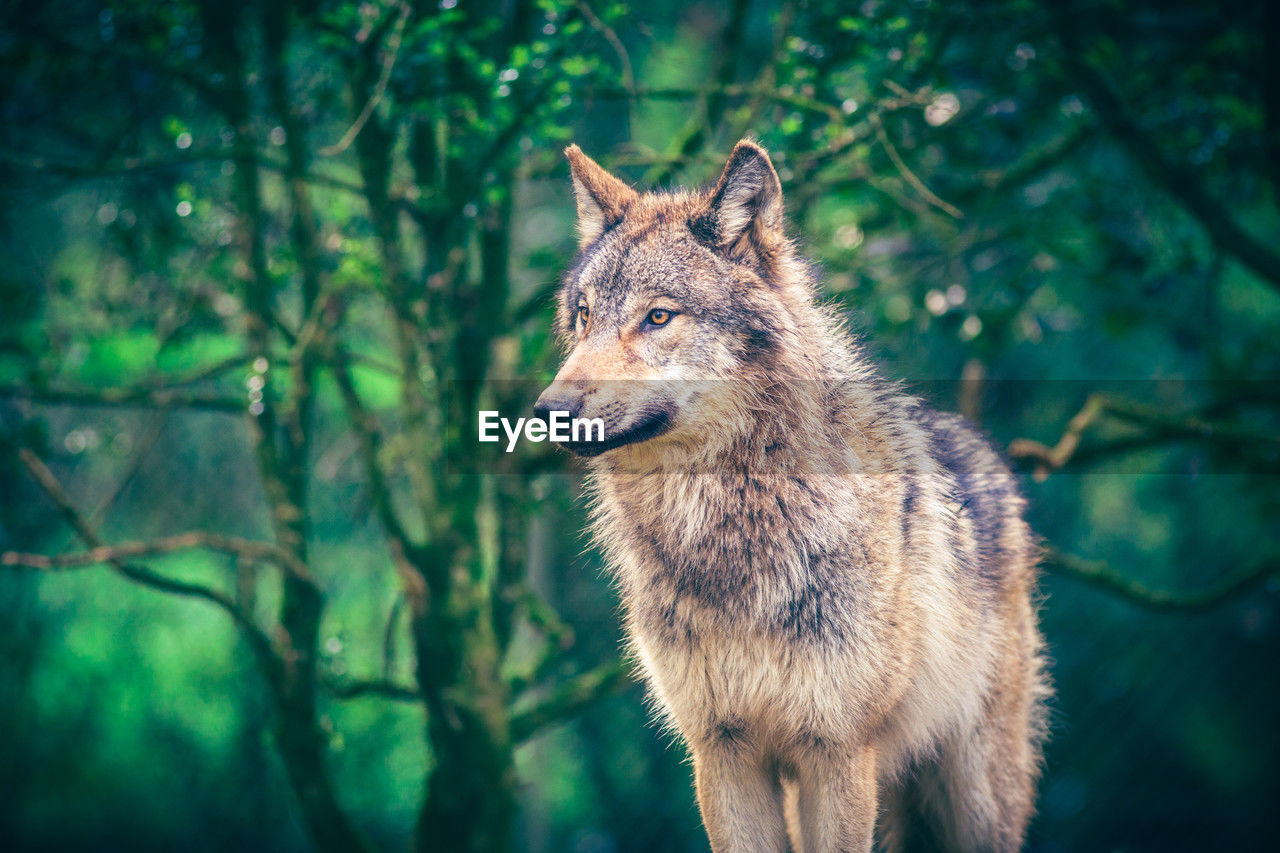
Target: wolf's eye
659,317
584,314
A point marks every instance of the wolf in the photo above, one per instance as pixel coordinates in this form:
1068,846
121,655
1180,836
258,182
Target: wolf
828,586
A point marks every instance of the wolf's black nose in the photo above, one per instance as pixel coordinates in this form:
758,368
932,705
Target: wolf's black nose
549,403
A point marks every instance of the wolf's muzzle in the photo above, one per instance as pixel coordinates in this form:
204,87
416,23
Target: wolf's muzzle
651,425
549,402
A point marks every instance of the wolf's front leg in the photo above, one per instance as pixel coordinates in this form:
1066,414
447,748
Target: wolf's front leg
740,798
837,800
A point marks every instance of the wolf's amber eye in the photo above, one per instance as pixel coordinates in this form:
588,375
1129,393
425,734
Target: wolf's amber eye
658,317
584,314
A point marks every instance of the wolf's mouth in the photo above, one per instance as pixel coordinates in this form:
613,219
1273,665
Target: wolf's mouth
651,426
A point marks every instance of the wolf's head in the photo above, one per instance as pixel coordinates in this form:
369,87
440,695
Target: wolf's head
676,304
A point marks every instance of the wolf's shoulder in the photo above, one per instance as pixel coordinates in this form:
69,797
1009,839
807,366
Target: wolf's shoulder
984,492
957,445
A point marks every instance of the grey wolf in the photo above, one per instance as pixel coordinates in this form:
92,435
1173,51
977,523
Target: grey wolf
827,585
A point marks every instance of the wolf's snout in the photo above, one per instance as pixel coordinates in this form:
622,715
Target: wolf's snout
557,400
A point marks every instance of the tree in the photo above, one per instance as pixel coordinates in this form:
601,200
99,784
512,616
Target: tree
434,143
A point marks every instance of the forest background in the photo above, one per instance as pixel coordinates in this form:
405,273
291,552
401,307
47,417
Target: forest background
261,263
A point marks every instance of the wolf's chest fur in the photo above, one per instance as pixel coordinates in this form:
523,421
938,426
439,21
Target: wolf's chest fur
773,604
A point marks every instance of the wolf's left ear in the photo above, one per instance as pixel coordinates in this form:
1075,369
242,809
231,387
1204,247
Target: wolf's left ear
602,198
744,214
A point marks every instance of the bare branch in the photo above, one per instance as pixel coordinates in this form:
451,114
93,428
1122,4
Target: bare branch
140,453
389,636
142,575
366,429
570,698
242,548
767,78
1053,458
784,95
701,124
128,166
1103,576
1164,426
995,181
543,618
539,300
1189,425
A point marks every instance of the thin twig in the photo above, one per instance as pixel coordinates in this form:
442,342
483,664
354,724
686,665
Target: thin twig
197,539
624,59
366,429
160,392
1053,458
992,182
558,635
140,453
379,89
766,80
128,166
698,131
910,176
389,636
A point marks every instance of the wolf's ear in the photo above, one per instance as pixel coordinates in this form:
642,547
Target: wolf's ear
602,198
743,217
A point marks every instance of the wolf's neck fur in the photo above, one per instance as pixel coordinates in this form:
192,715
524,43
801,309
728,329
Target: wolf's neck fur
784,476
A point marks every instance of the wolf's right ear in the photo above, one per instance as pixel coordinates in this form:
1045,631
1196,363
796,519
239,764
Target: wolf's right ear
602,198
743,216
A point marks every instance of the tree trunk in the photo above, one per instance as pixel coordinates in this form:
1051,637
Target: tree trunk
470,797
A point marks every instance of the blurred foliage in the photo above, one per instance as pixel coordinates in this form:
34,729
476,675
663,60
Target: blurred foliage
249,249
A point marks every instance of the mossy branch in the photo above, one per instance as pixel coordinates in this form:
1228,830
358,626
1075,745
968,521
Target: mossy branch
354,688
160,392
570,698
1100,574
